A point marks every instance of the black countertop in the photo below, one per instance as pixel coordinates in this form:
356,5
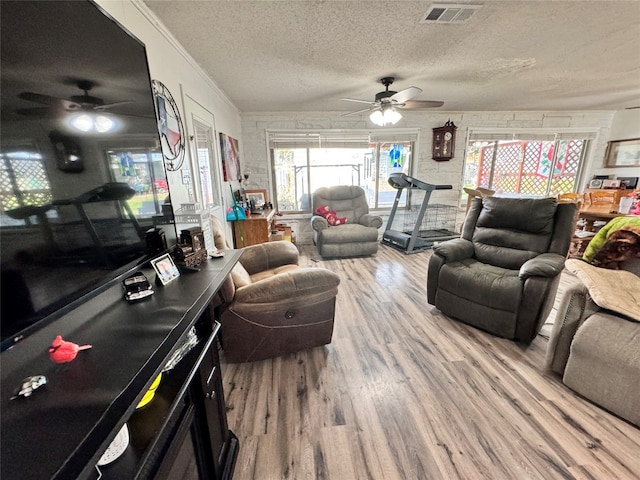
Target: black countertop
67,424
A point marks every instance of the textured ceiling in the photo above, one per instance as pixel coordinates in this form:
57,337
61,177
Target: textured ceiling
288,55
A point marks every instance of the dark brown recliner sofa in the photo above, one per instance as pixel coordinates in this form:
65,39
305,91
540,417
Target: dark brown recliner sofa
502,274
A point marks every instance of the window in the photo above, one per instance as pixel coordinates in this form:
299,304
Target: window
24,181
305,161
141,169
536,164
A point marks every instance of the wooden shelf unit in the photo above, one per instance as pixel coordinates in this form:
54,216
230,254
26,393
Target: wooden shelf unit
254,229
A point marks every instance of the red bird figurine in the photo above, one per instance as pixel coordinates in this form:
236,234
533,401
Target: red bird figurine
62,351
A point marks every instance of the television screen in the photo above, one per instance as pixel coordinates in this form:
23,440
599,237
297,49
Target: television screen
83,191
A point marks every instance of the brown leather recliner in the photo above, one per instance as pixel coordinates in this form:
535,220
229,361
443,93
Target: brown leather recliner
272,306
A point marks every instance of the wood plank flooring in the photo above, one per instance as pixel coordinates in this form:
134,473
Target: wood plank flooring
405,393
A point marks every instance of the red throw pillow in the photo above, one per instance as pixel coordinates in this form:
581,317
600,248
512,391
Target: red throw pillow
322,210
330,215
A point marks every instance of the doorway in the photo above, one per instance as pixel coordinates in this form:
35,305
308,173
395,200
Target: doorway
204,168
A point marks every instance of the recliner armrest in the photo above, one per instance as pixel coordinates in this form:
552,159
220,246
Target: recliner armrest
319,223
369,220
454,250
294,284
574,308
544,265
268,255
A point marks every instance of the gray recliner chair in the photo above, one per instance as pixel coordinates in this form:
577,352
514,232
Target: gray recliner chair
502,274
358,236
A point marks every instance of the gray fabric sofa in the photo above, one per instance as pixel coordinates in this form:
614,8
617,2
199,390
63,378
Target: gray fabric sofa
502,274
357,237
595,341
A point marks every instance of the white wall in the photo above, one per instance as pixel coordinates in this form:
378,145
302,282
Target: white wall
626,125
254,126
173,66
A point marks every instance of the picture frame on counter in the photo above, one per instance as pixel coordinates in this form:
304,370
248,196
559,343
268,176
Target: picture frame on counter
629,183
259,196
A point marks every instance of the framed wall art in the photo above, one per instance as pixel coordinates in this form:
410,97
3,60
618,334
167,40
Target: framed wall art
230,158
623,153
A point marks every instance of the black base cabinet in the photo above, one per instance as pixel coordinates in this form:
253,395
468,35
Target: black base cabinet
182,433
62,431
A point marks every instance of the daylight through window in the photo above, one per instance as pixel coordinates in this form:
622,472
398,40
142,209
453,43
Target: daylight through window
305,161
530,164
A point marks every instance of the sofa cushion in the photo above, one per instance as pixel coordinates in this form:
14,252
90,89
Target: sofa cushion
290,285
510,231
615,290
256,277
604,364
350,232
482,284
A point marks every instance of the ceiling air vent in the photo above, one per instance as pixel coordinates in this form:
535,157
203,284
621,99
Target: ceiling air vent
449,13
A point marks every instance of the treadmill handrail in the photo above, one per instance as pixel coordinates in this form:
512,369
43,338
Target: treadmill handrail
402,180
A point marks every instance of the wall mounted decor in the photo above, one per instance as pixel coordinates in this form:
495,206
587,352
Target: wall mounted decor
67,151
623,153
230,158
170,126
444,142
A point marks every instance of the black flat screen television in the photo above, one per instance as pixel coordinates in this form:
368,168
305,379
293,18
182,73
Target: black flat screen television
84,196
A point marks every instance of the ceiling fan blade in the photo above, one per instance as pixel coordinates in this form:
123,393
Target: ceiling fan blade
111,105
415,104
41,112
49,100
359,101
403,95
356,112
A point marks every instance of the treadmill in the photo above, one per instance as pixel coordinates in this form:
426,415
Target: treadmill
416,239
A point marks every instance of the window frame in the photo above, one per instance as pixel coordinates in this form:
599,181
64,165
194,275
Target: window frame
555,135
309,139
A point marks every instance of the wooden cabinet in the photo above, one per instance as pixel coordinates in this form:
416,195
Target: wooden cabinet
599,206
254,229
62,431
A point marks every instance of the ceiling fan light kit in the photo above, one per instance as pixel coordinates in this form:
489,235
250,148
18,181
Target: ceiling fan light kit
386,115
83,113
384,109
92,123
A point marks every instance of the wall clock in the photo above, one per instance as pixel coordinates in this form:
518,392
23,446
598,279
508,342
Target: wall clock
170,125
444,142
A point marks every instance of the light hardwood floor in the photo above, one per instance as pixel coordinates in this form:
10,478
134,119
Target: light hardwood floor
405,393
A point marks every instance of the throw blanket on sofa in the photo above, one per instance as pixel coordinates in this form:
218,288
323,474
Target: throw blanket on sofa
617,241
615,290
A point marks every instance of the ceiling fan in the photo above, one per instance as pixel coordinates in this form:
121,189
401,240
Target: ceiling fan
85,102
384,106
